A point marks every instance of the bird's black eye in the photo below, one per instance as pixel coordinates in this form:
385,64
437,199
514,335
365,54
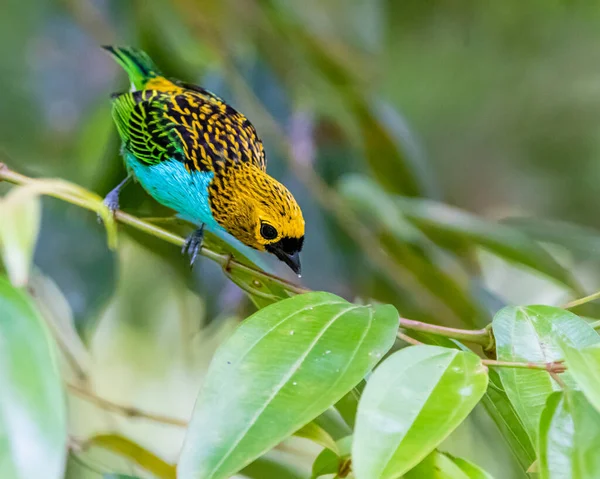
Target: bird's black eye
268,232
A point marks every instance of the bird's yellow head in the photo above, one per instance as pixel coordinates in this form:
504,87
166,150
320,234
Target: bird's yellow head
259,211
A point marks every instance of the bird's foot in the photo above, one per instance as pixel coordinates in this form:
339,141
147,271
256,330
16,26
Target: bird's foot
111,201
193,243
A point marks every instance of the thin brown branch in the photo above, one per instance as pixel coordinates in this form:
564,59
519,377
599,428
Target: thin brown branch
478,336
127,411
408,339
555,367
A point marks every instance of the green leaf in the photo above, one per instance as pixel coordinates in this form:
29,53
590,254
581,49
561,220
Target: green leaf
118,476
450,228
333,423
135,453
439,465
576,238
318,435
20,215
282,367
498,405
58,315
584,365
453,228
411,403
471,470
390,148
261,290
569,438
269,468
33,429
329,462
348,405
80,197
535,334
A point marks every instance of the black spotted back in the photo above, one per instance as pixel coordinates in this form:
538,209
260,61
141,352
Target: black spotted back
186,123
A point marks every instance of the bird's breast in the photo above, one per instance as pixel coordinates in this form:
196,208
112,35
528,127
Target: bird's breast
169,183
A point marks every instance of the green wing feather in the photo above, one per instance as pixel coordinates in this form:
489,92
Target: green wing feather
145,130
189,126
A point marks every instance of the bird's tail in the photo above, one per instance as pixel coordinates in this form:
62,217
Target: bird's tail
138,65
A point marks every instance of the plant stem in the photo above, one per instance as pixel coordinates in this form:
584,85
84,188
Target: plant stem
229,265
478,336
408,339
555,367
580,301
127,411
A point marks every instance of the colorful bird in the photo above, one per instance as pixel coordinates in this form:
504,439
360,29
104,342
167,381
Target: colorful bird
194,153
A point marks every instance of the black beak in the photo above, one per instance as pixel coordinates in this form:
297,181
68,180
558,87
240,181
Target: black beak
291,259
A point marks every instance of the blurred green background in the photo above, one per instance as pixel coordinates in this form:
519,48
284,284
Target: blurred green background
446,156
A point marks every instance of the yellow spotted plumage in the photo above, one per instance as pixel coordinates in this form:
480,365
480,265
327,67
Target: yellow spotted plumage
196,154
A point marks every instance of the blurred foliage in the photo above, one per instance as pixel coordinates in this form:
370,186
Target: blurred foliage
406,130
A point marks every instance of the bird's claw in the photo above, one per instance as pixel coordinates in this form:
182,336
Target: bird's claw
111,201
192,244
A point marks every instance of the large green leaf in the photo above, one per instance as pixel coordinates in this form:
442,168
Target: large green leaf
348,405
453,228
20,214
502,412
328,462
569,438
472,471
439,465
135,453
535,334
576,238
269,468
58,315
333,423
584,365
33,429
283,366
313,432
390,148
411,403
